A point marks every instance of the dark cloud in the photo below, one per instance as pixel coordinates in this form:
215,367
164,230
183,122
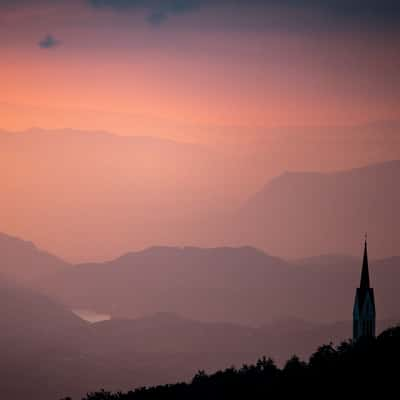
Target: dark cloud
157,11
157,18
295,13
368,12
48,42
351,10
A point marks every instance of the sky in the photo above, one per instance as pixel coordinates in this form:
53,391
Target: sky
230,93
136,124
175,68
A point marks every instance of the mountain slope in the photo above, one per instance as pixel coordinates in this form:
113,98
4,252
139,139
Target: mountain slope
343,368
62,187
93,195
303,214
54,353
204,284
241,285
23,262
38,341
48,351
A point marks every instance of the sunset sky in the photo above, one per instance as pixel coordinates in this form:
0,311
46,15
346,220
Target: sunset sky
193,174
173,68
233,93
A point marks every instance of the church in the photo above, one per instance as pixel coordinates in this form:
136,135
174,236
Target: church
364,314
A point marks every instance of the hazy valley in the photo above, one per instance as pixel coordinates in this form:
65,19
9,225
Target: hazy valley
237,275
173,311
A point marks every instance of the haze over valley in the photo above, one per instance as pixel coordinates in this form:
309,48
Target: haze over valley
124,273
91,196
199,199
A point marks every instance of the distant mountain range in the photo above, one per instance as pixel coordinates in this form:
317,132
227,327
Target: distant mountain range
242,285
23,262
301,214
61,188
93,195
48,351
177,309
38,341
200,308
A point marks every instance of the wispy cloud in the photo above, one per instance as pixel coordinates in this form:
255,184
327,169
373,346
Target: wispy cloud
48,42
158,11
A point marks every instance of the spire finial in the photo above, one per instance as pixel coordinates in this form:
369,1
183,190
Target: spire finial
365,273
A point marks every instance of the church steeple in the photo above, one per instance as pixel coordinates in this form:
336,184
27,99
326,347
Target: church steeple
364,314
364,284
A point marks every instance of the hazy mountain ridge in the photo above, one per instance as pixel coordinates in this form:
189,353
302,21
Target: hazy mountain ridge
237,293
130,192
309,211
241,285
121,191
54,352
23,262
167,279
76,357
348,365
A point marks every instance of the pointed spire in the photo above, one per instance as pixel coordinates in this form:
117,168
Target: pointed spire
364,284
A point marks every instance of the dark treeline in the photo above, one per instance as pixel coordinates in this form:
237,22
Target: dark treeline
370,366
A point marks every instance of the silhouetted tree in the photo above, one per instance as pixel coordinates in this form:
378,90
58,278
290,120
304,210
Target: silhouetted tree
366,367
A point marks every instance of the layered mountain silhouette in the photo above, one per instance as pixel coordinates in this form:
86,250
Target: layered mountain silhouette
205,284
93,195
168,333
23,263
331,369
176,309
241,285
48,351
39,341
201,309
90,195
298,214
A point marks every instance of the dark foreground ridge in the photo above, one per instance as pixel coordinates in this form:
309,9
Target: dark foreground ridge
368,366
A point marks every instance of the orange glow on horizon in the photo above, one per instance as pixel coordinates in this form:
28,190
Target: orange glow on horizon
126,92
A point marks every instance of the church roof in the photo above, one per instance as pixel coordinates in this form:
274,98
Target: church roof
365,288
364,284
